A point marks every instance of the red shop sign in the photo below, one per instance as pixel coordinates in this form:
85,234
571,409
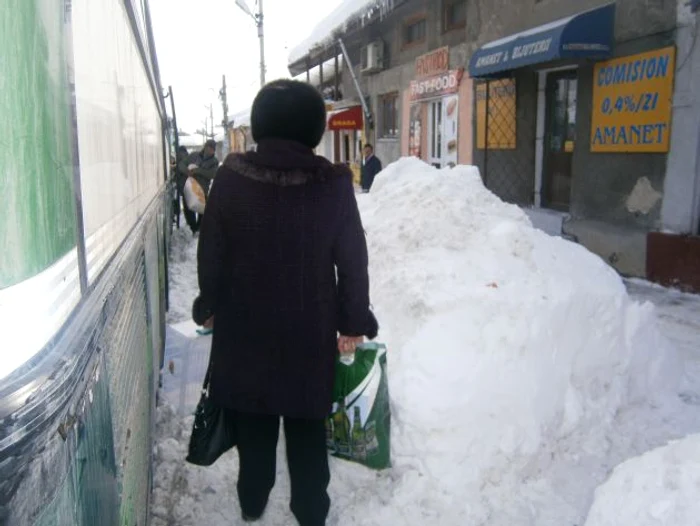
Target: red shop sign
437,86
348,119
433,63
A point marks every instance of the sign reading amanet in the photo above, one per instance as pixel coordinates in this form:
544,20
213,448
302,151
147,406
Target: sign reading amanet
632,100
437,86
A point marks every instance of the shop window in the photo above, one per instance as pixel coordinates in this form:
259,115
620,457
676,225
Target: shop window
454,14
389,117
415,31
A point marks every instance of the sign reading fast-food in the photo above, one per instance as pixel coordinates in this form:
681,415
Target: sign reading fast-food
437,86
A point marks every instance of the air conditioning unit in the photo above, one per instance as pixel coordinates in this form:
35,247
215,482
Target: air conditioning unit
373,57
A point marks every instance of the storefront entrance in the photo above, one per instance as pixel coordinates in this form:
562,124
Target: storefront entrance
343,138
442,131
434,114
435,133
560,139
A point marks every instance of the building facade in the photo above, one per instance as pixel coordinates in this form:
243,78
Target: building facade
585,113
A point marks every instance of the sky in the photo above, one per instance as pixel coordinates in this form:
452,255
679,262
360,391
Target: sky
198,41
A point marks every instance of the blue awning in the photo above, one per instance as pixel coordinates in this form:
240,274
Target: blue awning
585,35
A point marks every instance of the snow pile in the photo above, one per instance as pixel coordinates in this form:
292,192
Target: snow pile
336,21
659,488
520,371
502,339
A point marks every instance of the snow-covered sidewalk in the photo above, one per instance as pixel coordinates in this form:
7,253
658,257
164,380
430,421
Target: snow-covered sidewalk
521,373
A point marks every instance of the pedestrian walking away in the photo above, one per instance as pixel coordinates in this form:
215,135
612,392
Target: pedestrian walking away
204,172
282,268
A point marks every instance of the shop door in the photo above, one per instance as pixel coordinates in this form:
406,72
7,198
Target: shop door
336,147
435,133
560,139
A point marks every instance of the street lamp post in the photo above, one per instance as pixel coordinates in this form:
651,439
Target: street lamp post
258,17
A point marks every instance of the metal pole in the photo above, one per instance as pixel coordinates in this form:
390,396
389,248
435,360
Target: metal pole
211,118
348,64
172,106
176,140
224,103
261,34
337,76
486,134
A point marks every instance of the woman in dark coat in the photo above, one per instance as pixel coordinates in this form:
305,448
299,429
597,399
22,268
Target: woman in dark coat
282,265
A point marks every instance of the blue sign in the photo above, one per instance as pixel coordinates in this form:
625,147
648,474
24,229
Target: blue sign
586,35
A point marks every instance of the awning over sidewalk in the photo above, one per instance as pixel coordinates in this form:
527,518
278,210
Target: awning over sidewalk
346,119
585,35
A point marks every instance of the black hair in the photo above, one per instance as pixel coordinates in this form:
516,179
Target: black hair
289,109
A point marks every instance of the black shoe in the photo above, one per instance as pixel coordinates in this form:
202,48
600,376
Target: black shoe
248,518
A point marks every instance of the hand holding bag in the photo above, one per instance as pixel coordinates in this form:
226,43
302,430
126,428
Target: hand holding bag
213,431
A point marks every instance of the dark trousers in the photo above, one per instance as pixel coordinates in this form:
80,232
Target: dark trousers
192,218
307,460
176,208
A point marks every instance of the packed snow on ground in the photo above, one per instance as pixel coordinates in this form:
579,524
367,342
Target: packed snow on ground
659,488
182,271
520,372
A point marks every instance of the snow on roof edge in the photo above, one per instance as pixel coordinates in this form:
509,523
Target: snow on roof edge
241,118
336,20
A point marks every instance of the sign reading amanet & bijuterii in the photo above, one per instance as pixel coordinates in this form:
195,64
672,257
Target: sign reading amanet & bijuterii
632,101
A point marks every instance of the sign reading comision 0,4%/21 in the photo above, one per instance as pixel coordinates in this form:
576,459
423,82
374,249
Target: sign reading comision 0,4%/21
632,102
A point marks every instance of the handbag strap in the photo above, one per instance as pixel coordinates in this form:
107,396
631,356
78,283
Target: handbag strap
207,377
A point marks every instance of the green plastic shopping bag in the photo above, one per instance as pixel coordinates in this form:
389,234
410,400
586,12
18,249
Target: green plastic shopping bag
358,428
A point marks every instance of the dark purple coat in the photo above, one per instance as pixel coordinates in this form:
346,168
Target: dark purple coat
279,223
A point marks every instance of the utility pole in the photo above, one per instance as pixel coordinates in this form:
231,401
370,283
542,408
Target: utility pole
258,18
261,35
204,132
224,104
209,121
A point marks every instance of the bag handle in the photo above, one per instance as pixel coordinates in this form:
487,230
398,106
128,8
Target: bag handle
207,378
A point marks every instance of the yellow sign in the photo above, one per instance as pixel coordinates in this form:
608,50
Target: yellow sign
501,115
345,124
632,100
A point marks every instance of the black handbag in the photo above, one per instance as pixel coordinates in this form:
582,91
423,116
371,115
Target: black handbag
213,431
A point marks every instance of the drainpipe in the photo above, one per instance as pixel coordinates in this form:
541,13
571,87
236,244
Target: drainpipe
351,69
695,225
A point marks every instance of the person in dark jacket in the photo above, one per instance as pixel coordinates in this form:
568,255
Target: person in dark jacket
370,168
180,179
207,165
280,223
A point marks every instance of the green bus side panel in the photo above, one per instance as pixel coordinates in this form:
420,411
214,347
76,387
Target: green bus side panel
36,164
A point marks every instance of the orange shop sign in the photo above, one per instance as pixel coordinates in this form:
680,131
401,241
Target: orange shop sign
437,86
433,63
348,119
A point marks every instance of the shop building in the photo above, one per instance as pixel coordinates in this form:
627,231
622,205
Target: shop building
240,136
408,60
584,112
582,116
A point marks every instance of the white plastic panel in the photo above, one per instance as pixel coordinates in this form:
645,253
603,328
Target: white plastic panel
119,132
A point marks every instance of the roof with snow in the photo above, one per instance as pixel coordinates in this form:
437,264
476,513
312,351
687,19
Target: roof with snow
242,118
337,22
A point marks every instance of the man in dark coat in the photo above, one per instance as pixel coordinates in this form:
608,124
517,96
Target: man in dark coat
370,168
280,223
180,179
207,165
